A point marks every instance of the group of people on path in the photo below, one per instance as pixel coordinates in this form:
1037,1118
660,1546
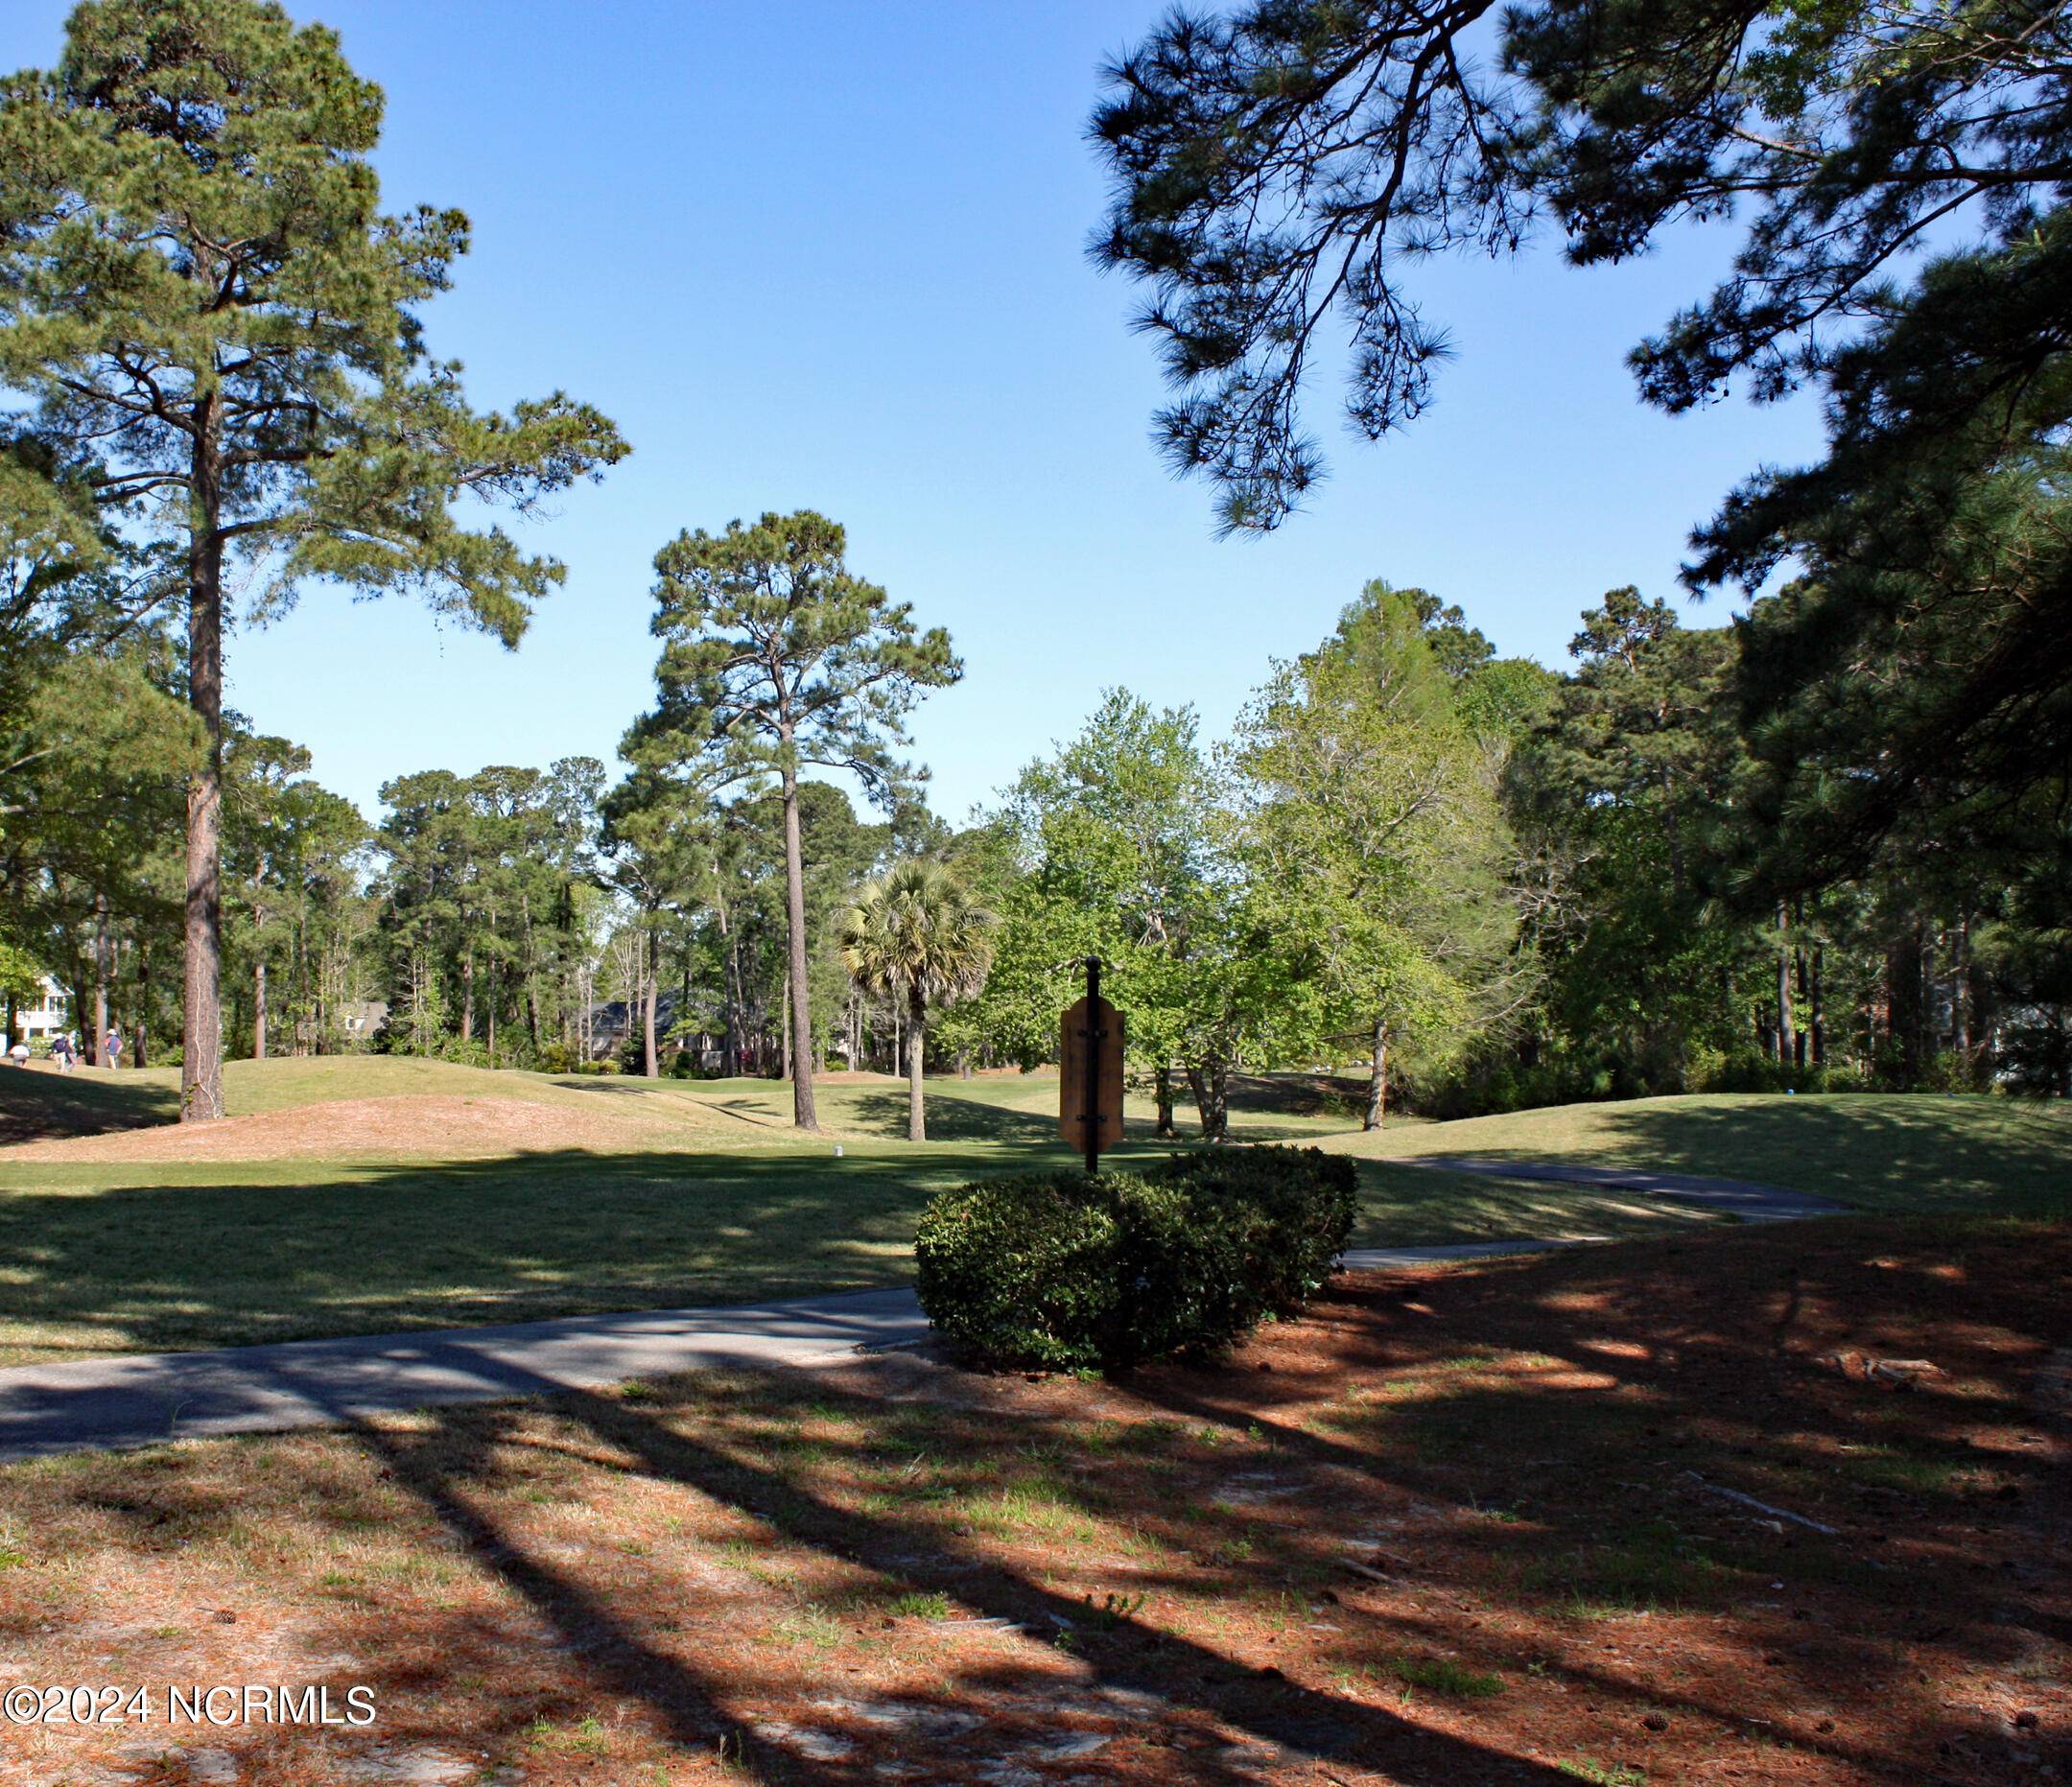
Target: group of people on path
64,1051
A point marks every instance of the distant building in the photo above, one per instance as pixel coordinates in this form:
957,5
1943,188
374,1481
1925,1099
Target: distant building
52,1014
360,1019
612,1021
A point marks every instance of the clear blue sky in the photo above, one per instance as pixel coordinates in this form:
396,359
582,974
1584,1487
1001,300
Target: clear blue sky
831,256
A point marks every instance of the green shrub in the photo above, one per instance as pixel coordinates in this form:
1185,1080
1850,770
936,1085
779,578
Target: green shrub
1186,1257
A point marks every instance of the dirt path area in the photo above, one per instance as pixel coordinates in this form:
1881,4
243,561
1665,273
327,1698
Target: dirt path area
412,1124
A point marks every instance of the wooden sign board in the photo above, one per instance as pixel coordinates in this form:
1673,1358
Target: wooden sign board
1090,1078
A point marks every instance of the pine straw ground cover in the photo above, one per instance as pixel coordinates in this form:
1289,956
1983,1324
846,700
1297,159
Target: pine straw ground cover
1457,1526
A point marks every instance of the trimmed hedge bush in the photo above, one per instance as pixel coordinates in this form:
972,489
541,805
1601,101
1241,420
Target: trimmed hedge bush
1060,1270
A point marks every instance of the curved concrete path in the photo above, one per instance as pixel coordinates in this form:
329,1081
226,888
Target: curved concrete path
145,1399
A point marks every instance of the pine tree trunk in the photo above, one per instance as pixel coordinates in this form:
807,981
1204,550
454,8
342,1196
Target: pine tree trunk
531,975
650,1064
1960,988
101,979
467,991
799,1009
917,1061
1817,1013
1786,1049
1210,1083
259,1009
1903,962
202,1096
1378,1080
143,1022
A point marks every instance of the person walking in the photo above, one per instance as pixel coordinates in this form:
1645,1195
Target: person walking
113,1045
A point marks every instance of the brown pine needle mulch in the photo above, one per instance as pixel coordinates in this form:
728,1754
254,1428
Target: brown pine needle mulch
1456,1526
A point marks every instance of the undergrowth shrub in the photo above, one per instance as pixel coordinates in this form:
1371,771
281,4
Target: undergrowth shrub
1062,1271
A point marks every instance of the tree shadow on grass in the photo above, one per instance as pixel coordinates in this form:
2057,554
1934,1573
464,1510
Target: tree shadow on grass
384,1248
951,1118
1302,1723
1594,1404
1898,1153
38,1103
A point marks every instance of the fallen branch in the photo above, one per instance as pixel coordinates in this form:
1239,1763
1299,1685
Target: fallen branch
1761,1507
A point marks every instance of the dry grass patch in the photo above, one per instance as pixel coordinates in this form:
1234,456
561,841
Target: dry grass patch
396,1128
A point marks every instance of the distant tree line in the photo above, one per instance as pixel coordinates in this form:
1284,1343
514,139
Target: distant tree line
1826,845
1474,882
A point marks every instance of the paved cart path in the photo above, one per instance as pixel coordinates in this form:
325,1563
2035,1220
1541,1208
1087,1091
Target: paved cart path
144,1398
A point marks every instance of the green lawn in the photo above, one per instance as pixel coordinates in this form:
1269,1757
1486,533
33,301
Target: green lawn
1891,1153
717,1202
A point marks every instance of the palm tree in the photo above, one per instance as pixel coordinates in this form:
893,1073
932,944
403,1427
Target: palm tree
917,934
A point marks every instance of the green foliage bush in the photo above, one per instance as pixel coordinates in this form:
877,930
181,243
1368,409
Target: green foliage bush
1063,1271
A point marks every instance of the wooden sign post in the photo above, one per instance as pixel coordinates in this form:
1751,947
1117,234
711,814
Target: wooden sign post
1090,1077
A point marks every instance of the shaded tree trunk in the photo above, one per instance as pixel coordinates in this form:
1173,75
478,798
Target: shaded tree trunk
100,981
531,975
1786,1048
1209,1082
259,1012
1817,1013
1377,1078
1801,997
650,1064
916,1066
201,1098
799,1007
1162,1086
1903,962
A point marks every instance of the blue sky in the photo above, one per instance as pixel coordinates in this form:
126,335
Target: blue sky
832,255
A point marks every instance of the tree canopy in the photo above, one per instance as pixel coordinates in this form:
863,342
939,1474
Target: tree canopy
218,330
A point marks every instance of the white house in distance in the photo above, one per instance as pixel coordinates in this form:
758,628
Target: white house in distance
54,1013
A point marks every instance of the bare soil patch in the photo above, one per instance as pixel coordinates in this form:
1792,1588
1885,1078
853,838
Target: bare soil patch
414,1124
1458,1527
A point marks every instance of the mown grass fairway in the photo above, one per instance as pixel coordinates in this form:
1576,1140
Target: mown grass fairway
448,1195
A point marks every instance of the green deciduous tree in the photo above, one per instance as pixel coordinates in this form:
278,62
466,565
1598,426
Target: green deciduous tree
198,283
1374,841
778,658
917,934
1107,848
